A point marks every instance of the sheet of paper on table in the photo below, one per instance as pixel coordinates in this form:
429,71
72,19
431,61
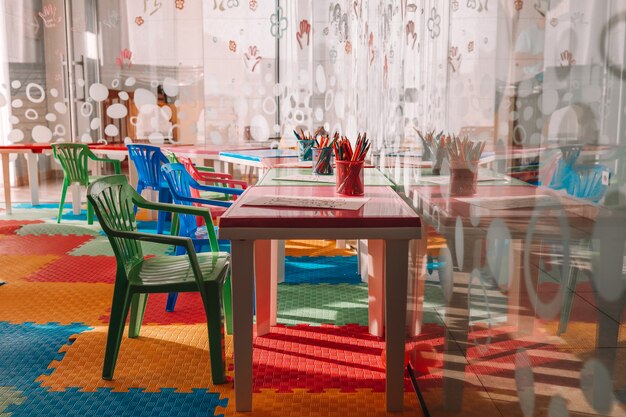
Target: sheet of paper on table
296,164
330,179
445,179
336,203
525,201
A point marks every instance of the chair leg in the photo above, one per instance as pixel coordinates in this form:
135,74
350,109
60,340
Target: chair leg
228,305
568,299
119,312
171,302
164,197
89,213
140,188
212,299
62,203
137,311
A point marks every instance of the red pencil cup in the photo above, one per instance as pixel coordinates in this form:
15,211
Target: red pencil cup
349,177
323,161
463,178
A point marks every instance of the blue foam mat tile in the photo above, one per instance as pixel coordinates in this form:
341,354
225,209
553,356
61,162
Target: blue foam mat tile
38,401
321,270
27,350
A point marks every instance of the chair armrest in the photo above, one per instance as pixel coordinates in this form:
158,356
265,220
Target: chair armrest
214,174
115,162
167,240
225,182
204,169
175,208
223,190
204,201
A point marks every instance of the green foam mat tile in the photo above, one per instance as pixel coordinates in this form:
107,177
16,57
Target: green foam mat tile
9,396
58,229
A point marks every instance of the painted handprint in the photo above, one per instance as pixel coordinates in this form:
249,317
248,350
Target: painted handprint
124,59
305,28
252,58
454,58
410,33
567,59
371,45
49,16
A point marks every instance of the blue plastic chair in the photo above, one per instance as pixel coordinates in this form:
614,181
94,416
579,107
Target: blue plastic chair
148,161
181,183
588,182
564,173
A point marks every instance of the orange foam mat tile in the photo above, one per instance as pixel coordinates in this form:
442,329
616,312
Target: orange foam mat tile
175,357
77,269
315,248
61,303
41,245
362,403
16,267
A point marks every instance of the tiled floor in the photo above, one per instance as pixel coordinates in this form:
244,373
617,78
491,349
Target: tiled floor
319,361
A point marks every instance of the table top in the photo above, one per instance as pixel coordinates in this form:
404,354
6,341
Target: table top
258,155
212,150
384,209
40,147
371,176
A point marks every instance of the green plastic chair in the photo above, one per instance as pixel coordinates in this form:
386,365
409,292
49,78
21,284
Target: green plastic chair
113,200
73,159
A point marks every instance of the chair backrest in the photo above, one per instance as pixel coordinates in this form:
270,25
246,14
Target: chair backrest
148,160
73,159
112,200
181,185
590,182
193,171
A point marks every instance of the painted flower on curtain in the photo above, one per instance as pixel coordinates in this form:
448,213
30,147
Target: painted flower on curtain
434,23
305,28
253,5
278,23
519,4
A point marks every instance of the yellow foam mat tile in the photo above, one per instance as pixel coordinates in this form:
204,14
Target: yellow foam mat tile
17,267
62,303
315,248
476,402
170,356
362,403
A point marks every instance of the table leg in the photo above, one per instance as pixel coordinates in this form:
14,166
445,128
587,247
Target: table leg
6,180
341,244
263,281
375,287
277,274
417,283
33,178
362,253
396,275
76,199
242,264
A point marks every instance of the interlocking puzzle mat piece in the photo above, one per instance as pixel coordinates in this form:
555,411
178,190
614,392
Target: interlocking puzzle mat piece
332,403
474,400
323,303
16,267
27,350
101,246
189,310
315,248
10,227
64,303
77,269
297,304
162,357
62,229
41,245
9,396
322,270
29,214
167,403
